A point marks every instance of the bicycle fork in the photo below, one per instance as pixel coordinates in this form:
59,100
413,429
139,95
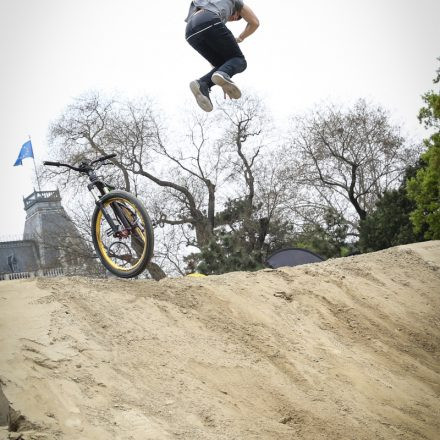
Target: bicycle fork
119,215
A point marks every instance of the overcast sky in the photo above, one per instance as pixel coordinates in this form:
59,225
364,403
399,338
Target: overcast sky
304,52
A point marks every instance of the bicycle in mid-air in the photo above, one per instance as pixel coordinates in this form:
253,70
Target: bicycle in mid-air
122,231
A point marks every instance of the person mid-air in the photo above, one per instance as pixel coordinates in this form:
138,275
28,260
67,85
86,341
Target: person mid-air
207,33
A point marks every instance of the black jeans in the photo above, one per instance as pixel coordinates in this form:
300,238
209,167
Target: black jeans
206,33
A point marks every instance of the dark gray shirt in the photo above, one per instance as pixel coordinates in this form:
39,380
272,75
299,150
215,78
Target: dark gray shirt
223,8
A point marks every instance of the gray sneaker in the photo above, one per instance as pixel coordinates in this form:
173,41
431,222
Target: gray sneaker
201,93
223,80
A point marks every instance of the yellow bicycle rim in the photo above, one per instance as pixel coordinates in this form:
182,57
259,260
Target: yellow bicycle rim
102,248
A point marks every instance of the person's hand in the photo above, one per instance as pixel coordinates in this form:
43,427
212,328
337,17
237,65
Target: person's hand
239,40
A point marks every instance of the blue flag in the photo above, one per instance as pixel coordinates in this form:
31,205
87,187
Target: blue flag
26,151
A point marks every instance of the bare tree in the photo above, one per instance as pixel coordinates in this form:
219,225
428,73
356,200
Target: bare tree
182,179
348,157
248,142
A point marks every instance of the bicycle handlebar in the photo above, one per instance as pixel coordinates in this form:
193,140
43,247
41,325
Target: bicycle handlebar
59,164
84,167
103,158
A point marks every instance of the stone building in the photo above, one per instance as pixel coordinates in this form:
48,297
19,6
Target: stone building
51,243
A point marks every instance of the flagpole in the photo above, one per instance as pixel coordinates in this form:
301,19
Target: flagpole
35,168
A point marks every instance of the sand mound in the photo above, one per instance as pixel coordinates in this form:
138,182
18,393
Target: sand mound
346,349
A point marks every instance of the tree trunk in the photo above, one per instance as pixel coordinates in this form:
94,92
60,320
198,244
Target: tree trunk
156,271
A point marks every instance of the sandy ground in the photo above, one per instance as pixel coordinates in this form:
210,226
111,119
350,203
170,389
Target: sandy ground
346,349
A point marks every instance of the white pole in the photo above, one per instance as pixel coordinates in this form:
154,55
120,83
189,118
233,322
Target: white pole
35,167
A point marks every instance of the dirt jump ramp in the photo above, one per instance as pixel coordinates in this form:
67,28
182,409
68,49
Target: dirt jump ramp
347,349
